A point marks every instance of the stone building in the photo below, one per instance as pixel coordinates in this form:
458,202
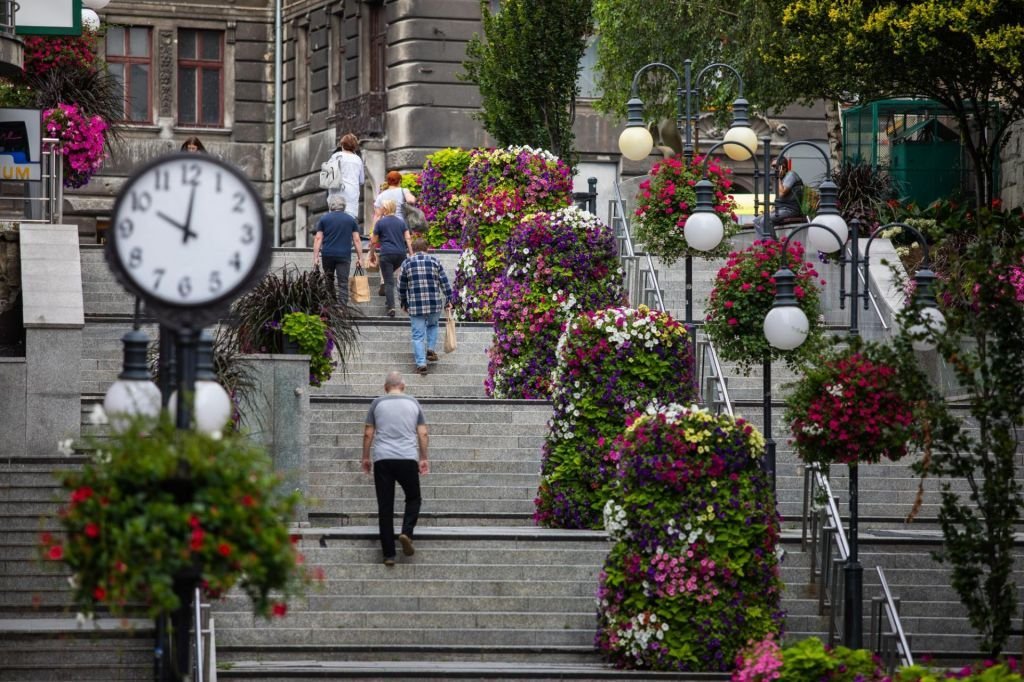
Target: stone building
386,70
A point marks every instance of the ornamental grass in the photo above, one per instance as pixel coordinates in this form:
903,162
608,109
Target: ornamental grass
694,572
609,363
559,264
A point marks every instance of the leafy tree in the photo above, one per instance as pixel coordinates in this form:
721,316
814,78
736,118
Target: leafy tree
965,54
984,347
526,67
632,34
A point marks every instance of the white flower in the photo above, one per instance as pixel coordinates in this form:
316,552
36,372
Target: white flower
65,448
97,417
83,619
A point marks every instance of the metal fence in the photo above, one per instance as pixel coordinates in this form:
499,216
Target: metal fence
41,201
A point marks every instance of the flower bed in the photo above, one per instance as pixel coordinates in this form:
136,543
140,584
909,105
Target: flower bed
610,362
158,503
559,264
667,198
858,404
807,659
500,186
744,292
693,575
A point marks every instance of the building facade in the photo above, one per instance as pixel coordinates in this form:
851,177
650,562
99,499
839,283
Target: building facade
385,70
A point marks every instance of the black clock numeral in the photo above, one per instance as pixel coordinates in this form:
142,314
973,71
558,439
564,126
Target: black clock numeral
219,183
185,287
248,236
236,261
239,198
215,283
125,228
141,201
135,258
163,180
190,174
159,274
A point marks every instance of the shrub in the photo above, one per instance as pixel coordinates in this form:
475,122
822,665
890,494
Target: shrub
313,338
610,363
694,572
807,659
559,263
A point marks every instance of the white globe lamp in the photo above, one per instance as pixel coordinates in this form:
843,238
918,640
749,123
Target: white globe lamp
635,141
134,393
95,5
828,216
90,20
785,326
703,230
741,132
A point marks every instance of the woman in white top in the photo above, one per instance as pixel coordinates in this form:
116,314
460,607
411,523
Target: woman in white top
352,173
394,191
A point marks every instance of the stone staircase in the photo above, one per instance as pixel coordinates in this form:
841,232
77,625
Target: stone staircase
488,595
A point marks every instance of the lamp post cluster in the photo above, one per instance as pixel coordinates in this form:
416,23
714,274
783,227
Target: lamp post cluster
786,326
703,230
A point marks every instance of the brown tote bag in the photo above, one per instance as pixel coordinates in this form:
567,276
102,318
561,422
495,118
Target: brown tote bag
450,342
359,286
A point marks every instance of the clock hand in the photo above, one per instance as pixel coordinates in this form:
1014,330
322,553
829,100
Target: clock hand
187,227
171,220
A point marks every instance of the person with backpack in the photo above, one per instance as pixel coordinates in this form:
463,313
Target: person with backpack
343,174
394,191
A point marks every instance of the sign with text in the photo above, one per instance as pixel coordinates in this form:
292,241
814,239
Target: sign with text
21,142
48,17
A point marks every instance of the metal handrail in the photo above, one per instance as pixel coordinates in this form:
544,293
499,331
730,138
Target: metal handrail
871,297
48,208
823,528
8,13
891,644
649,275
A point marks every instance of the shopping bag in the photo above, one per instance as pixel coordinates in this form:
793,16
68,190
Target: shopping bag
359,286
450,342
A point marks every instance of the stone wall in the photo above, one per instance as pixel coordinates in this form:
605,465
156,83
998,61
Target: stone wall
1011,165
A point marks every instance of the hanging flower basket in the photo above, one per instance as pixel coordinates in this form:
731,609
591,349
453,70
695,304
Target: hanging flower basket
82,139
667,198
744,292
157,503
857,405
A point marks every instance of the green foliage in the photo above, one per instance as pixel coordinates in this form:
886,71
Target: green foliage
257,316
809,659
986,671
983,347
310,332
957,52
411,182
632,34
15,95
526,68
441,180
157,503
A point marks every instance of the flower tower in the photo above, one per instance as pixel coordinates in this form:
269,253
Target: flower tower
501,185
694,574
559,263
610,362
440,186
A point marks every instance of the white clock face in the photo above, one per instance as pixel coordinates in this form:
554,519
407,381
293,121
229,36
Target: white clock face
188,230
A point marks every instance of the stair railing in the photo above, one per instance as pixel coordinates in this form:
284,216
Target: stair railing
822,529
641,282
890,643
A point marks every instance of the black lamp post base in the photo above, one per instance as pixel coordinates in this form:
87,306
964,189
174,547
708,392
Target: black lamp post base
853,613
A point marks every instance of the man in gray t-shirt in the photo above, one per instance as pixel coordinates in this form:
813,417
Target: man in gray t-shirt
396,431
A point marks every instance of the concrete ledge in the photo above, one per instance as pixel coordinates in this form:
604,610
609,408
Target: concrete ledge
51,271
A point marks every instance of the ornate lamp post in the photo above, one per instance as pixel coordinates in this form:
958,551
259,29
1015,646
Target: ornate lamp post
636,143
189,235
786,327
